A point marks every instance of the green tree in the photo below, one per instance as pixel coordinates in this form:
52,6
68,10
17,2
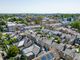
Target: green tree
13,51
6,36
6,42
78,49
12,40
11,58
57,39
37,21
76,24
23,57
1,28
0,35
2,23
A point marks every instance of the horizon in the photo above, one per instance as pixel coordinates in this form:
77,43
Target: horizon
39,7
39,13
35,13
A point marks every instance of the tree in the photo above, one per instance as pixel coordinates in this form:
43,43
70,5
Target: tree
6,36
76,24
6,42
11,58
23,57
2,23
1,28
12,40
78,49
57,39
0,35
37,21
13,51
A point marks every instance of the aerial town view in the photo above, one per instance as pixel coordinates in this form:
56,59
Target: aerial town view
39,30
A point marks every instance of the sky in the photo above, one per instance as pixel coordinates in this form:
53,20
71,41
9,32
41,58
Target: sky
39,6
